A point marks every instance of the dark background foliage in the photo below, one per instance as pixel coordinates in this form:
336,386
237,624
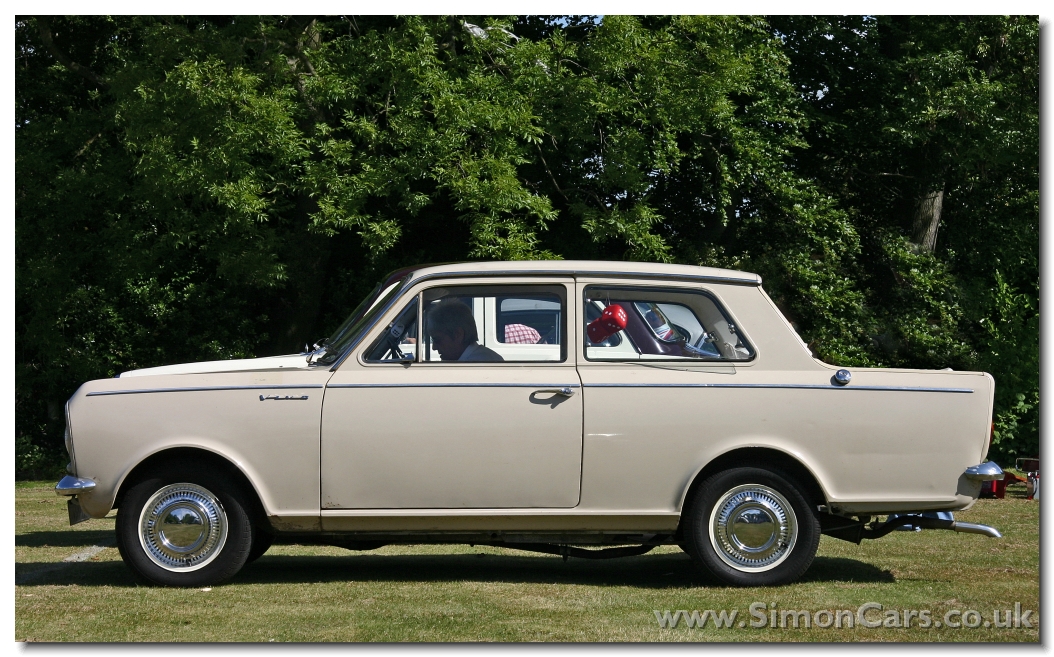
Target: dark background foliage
231,186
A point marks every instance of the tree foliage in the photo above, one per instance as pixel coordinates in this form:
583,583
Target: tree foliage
201,188
899,107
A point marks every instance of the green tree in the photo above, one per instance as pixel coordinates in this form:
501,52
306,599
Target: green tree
201,188
927,131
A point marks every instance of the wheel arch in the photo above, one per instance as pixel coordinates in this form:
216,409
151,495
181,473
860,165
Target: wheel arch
757,457
198,456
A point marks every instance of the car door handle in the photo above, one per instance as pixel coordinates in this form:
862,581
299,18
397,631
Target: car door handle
565,391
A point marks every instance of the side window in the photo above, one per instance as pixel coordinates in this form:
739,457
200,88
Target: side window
659,324
528,320
398,342
494,323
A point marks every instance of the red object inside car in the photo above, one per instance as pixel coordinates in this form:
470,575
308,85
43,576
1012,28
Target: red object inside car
610,322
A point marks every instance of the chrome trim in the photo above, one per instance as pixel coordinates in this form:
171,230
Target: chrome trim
183,527
566,391
561,386
411,281
68,442
70,485
722,308
586,272
204,389
970,528
987,471
802,386
843,377
376,319
753,528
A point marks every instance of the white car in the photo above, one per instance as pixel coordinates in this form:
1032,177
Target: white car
607,404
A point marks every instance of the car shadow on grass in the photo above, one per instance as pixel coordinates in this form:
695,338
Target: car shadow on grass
660,571
66,538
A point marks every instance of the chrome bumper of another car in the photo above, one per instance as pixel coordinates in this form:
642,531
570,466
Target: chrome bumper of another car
70,485
988,471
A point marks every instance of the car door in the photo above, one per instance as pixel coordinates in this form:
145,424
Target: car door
649,383
404,429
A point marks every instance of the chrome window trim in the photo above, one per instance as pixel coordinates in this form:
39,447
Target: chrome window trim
453,385
564,350
373,363
396,298
722,307
801,386
101,393
573,273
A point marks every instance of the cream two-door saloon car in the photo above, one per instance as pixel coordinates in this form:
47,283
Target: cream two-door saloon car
609,407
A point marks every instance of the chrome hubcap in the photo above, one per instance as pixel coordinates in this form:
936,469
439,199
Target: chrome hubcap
183,527
753,528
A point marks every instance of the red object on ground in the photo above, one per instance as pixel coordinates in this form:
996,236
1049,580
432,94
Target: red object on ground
610,322
999,485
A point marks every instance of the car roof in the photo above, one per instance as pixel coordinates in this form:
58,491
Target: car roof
617,269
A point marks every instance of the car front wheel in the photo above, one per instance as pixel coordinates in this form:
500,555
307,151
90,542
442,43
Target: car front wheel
751,527
184,528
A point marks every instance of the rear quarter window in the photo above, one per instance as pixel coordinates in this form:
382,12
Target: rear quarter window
661,324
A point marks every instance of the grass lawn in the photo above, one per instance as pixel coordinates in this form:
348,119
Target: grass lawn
458,593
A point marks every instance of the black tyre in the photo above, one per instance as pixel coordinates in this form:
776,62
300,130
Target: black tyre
261,543
184,526
751,527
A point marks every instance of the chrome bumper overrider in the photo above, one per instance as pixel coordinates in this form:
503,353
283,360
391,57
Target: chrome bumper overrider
988,471
71,485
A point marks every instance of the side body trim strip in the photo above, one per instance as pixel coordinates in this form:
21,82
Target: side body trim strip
453,385
801,386
101,393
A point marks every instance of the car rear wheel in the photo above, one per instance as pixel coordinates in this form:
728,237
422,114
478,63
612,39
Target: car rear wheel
184,527
751,527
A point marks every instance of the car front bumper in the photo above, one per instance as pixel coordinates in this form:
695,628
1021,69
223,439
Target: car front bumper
70,485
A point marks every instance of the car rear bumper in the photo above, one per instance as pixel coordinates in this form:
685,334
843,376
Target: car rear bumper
987,471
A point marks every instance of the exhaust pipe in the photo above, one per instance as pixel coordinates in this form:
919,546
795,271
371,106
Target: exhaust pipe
970,528
930,523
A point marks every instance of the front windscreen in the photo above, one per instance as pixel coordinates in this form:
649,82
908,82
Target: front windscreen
349,331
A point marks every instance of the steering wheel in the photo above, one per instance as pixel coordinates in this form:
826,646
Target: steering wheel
393,348
391,341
